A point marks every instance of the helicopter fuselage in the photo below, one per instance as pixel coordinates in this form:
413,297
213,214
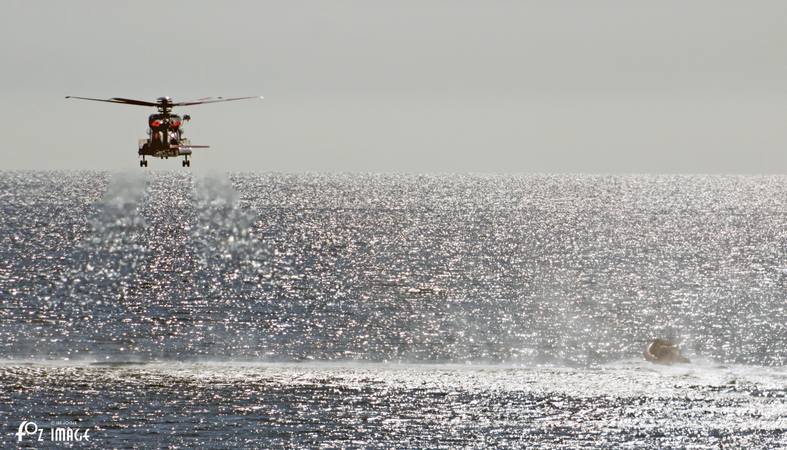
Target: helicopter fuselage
165,138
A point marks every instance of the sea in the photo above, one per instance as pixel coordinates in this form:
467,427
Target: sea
179,309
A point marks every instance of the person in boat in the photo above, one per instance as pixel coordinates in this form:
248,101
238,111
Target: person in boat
662,351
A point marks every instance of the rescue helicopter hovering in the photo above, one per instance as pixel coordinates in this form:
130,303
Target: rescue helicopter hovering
165,133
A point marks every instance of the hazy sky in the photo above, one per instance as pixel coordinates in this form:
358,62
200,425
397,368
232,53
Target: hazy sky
416,86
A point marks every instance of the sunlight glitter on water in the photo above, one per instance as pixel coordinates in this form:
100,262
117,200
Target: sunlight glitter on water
459,310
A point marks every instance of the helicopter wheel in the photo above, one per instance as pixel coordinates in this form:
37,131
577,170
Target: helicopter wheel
186,163
143,163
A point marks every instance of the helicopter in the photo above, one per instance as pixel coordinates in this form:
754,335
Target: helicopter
165,134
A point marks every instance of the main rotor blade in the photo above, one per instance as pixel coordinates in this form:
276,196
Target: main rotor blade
125,101
130,101
211,100
202,99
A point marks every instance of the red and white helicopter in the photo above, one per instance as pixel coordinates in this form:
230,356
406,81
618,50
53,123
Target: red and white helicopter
165,133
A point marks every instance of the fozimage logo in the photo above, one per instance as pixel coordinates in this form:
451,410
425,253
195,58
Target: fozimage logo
56,433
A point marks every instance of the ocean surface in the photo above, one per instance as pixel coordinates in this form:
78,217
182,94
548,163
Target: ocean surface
185,310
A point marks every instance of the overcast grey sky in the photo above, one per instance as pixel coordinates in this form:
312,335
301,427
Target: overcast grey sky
416,86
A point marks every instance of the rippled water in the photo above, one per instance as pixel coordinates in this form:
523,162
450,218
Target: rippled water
257,310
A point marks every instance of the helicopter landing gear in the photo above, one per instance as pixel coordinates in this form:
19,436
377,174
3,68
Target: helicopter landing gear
186,163
143,163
